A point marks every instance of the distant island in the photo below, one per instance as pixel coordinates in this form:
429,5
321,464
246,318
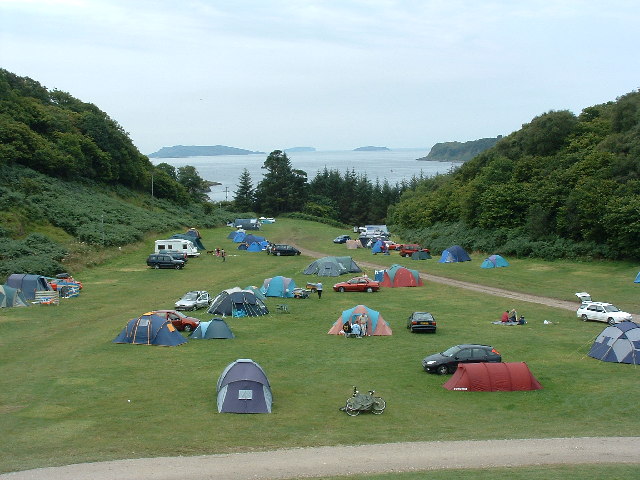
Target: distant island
300,149
459,151
370,149
180,151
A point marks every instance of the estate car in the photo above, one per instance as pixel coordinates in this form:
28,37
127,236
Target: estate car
447,361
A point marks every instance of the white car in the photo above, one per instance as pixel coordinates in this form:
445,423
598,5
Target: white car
602,312
194,300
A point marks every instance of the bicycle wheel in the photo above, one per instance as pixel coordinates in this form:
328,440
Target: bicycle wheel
378,405
350,408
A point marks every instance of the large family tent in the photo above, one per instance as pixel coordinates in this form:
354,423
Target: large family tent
399,276
214,328
454,254
150,329
12,297
332,267
28,284
191,237
494,261
619,343
235,302
243,387
278,287
250,238
493,377
376,325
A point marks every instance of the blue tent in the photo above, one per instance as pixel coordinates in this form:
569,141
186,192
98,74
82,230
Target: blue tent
242,246
150,329
215,328
28,283
278,287
250,238
619,343
454,254
637,280
377,247
254,247
494,261
243,387
239,237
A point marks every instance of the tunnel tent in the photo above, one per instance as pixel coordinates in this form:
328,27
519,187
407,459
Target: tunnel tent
493,377
332,267
150,329
28,284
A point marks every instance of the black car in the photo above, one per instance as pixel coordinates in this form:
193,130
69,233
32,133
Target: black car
280,249
341,239
421,322
164,260
447,361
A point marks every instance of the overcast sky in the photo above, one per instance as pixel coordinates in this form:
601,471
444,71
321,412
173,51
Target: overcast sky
334,74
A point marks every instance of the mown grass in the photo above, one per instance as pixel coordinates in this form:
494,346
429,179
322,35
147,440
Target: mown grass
65,387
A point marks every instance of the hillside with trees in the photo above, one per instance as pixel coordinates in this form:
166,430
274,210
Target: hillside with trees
561,186
459,151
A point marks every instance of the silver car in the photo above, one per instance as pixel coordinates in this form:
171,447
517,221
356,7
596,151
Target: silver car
602,312
194,300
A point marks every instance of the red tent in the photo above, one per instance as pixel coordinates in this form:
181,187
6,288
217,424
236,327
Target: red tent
493,377
399,276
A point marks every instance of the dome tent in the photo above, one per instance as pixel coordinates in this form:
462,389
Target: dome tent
214,328
400,276
619,343
243,387
376,325
150,329
12,297
454,254
278,286
492,377
494,261
237,303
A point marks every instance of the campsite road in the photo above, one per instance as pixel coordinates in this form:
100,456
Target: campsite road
353,460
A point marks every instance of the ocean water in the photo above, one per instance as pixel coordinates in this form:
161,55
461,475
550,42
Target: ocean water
392,165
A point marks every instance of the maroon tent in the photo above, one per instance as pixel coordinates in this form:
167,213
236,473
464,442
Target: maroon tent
493,377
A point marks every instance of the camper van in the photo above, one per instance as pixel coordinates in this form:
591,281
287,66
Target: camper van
177,245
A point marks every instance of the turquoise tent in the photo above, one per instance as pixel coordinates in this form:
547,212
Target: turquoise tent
254,247
12,297
637,280
278,287
494,261
256,291
215,328
375,324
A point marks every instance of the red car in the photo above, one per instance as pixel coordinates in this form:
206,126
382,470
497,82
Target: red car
357,284
179,320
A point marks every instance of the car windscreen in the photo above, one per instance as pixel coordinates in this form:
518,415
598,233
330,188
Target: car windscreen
190,296
610,309
450,352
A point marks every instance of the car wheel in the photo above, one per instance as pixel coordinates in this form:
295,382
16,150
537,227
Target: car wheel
277,254
187,328
341,289
611,321
369,289
178,267
156,266
442,370
584,318
194,308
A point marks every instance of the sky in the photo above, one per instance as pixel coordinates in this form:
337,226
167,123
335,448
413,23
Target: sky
334,74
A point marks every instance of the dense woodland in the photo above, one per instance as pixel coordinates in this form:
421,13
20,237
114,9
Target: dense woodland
561,186
459,151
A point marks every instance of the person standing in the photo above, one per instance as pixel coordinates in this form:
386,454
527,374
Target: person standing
319,290
223,254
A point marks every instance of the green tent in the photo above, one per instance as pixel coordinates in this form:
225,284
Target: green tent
12,297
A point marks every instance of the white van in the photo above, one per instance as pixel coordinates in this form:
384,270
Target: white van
177,245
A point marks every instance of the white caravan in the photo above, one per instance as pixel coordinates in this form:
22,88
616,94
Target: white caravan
177,245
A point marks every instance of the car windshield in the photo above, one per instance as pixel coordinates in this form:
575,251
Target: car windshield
190,296
611,308
450,352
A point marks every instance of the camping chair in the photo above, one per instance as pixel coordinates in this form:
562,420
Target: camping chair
282,308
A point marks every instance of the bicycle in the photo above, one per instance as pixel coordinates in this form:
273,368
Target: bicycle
363,402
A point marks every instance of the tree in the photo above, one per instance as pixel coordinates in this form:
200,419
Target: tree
196,186
283,189
168,169
244,195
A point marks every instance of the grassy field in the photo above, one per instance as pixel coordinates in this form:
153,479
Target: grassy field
65,386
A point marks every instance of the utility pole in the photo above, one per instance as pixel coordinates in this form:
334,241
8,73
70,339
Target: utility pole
226,192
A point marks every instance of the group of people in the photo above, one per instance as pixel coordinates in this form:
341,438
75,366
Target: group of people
221,253
356,327
511,316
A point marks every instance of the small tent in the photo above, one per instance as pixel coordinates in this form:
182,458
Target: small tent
238,303
353,244
278,287
256,291
254,247
399,276
376,325
618,343
243,387
239,236
191,237
492,377
150,329
637,280
214,328
454,254
332,266
12,297
28,284
420,255
494,261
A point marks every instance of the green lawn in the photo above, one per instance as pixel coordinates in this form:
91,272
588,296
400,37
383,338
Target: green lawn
65,387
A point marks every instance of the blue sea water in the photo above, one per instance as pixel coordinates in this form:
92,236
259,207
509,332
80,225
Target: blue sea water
392,165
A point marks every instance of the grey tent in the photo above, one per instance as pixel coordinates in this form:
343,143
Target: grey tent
12,297
214,328
238,303
332,267
29,284
243,387
619,343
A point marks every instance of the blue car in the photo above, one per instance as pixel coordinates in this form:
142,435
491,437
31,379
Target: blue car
341,239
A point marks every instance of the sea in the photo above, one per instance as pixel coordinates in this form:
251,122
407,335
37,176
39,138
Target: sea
391,165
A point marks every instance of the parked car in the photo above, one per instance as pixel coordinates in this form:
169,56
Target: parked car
602,312
164,260
179,320
447,361
194,300
357,284
341,239
421,322
407,249
281,249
